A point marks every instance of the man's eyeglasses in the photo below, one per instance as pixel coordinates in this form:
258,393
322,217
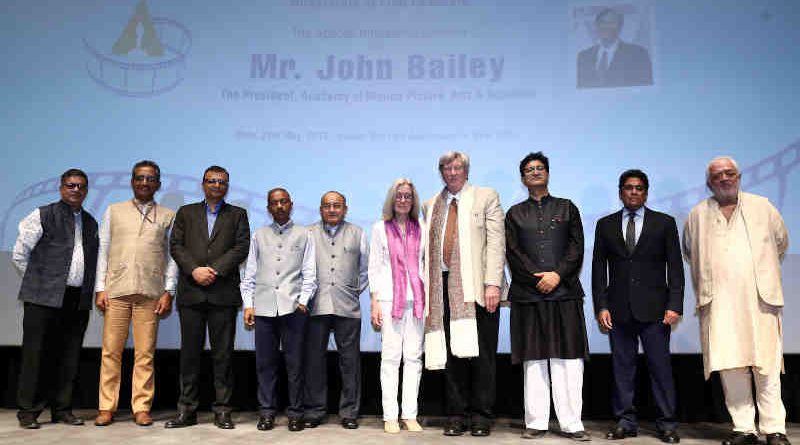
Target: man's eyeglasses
332,206
533,168
730,174
145,178
75,185
631,187
221,182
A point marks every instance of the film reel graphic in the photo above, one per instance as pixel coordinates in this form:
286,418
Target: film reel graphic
144,79
177,190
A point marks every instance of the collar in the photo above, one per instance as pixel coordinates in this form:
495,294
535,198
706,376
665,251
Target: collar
545,199
331,230
280,228
639,212
69,208
611,48
216,210
144,205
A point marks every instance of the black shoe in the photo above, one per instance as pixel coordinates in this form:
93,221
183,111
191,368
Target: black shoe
311,422
480,430
223,421
349,423
669,436
777,439
454,428
67,418
619,432
579,436
531,433
265,423
738,438
29,423
181,420
296,424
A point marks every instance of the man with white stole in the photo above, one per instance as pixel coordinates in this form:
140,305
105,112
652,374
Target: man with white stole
735,242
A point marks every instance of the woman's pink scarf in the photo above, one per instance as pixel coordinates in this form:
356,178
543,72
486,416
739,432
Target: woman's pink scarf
404,256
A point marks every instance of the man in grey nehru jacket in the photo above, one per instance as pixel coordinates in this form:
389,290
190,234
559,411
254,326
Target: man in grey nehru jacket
342,257
278,282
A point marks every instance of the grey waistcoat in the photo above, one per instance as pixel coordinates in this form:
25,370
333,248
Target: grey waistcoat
337,271
280,262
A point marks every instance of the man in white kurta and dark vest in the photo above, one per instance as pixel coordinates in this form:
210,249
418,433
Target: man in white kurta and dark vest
56,253
464,261
735,242
136,279
278,282
342,260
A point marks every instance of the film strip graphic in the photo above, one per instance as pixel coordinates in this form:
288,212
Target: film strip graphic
776,167
177,190
138,79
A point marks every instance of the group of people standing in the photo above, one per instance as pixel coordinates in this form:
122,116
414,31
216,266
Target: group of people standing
435,271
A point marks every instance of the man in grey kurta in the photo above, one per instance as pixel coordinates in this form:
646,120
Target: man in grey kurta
342,253
734,242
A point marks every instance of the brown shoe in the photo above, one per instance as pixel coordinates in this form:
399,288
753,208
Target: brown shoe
142,418
104,418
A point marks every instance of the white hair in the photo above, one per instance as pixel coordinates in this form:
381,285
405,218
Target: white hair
721,158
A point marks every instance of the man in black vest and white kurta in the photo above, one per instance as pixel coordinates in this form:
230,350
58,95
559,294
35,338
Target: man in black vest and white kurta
56,252
342,252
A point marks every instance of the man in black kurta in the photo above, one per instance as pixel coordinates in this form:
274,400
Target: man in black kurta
544,248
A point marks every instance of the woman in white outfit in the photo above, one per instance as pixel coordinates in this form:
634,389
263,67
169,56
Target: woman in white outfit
398,301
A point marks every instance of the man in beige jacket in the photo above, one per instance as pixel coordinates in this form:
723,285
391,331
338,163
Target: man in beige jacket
734,242
136,279
464,260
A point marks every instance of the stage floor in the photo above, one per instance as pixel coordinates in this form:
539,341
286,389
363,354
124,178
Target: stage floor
506,431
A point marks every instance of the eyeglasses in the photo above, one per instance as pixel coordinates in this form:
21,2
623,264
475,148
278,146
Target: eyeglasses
332,206
75,185
221,182
145,178
631,187
533,168
726,173
403,197
453,168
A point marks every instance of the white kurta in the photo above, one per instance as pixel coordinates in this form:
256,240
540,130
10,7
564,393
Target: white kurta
737,328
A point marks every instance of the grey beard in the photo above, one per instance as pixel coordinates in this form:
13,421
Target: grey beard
726,197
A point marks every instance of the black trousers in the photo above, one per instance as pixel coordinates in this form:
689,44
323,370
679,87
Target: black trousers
624,340
347,334
51,349
471,382
221,323
286,331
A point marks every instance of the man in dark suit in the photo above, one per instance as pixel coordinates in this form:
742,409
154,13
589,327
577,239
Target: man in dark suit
637,285
612,62
210,239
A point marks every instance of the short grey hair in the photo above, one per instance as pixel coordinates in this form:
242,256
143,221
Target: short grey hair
721,158
451,156
388,203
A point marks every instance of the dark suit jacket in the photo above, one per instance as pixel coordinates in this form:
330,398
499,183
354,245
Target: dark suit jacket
644,284
225,250
630,67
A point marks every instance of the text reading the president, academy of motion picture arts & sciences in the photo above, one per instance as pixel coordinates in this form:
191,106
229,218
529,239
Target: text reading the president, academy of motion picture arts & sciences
364,68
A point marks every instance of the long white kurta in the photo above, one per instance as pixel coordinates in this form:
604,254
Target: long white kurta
737,328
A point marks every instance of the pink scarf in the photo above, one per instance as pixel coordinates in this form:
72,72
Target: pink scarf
404,257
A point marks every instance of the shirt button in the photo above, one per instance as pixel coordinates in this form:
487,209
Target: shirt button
277,273
333,256
280,246
333,243
332,269
276,287
278,259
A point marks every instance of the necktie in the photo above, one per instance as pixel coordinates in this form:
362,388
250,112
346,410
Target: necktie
603,66
450,229
630,233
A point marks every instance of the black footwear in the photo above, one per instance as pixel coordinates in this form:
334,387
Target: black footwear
223,421
777,439
454,428
531,433
311,422
480,430
738,438
265,423
580,436
349,423
67,418
296,424
29,423
181,420
619,432
669,436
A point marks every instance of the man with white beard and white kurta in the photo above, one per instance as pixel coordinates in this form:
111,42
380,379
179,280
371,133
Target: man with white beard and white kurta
734,242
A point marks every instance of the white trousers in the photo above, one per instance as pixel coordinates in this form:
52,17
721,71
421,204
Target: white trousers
736,384
400,339
566,378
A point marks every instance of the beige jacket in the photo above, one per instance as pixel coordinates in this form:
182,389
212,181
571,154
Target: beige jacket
483,257
768,239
